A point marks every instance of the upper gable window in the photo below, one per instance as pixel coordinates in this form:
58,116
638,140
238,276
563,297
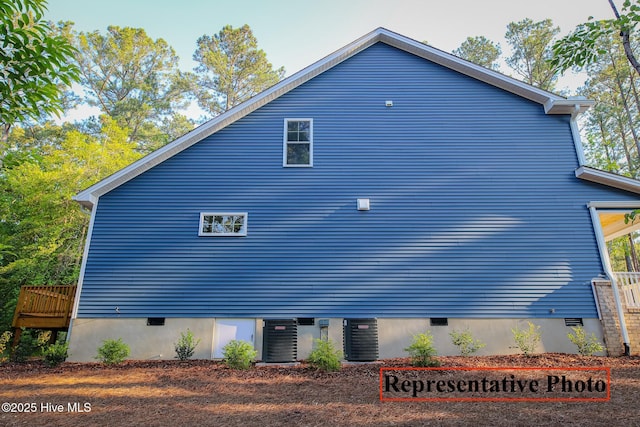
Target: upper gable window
298,143
223,224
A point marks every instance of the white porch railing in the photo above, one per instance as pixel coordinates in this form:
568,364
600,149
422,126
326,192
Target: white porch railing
629,284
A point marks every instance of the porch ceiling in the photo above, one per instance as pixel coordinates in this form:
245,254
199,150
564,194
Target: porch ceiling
613,224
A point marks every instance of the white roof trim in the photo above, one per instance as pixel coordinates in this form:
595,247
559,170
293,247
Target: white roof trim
607,178
553,104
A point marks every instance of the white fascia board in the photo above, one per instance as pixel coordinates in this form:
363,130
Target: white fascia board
568,106
608,178
89,196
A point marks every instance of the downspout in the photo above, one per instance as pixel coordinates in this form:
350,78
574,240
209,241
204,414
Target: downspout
602,248
575,132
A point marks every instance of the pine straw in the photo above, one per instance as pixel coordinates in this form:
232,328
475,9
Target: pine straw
173,393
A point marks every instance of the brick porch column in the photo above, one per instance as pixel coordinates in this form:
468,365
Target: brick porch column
610,321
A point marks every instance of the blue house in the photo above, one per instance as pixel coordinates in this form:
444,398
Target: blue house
388,189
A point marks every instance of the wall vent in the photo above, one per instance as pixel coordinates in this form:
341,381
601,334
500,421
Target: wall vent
155,321
280,341
439,321
361,340
573,321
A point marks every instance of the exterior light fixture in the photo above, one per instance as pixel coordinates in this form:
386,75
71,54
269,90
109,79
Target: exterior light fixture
363,204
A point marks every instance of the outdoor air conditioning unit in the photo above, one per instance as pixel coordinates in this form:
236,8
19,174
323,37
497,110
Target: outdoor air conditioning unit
280,340
361,340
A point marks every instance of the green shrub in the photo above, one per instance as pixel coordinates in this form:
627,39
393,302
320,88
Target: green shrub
56,353
587,344
43,338
5,339
325,356
527,339
465,342
112,351
422,351
28,346
186,345
238,354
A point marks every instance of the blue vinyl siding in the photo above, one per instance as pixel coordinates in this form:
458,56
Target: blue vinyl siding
475,209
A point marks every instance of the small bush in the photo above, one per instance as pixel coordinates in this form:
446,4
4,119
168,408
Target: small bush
422,351
28,346
43,339
587,344
186,345
527,339
465,342
5,338
113,351
56,353
325,356
238,354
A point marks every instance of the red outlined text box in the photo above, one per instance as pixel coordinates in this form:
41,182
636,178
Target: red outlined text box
552,384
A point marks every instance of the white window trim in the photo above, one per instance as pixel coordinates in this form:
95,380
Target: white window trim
245,215
284,142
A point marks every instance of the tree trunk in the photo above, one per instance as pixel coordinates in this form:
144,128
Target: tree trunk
625,104
3,142
634,90
625,146
634,254
605,144
626,40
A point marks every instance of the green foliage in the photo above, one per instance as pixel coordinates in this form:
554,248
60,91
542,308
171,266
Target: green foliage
145,86
34,66
632,216
56,353
113,352
238,354
422,350
231,69
531,51
28,346
587,344
581,47
527,339
481,51
325,356
42,230
186,345
612,140
465,342
5,342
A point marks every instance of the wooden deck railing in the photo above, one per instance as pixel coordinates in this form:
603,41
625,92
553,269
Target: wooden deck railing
629,284
44,307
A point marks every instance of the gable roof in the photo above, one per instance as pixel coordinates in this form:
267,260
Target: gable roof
552,103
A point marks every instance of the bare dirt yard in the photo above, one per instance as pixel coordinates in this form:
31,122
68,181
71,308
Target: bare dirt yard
206,393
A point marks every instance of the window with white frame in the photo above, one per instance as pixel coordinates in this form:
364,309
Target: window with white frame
298,143
218,224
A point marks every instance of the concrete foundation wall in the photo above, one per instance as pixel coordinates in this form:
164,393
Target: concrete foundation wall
146,342
394,335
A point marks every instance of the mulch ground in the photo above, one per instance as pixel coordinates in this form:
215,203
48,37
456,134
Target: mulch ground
206,393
